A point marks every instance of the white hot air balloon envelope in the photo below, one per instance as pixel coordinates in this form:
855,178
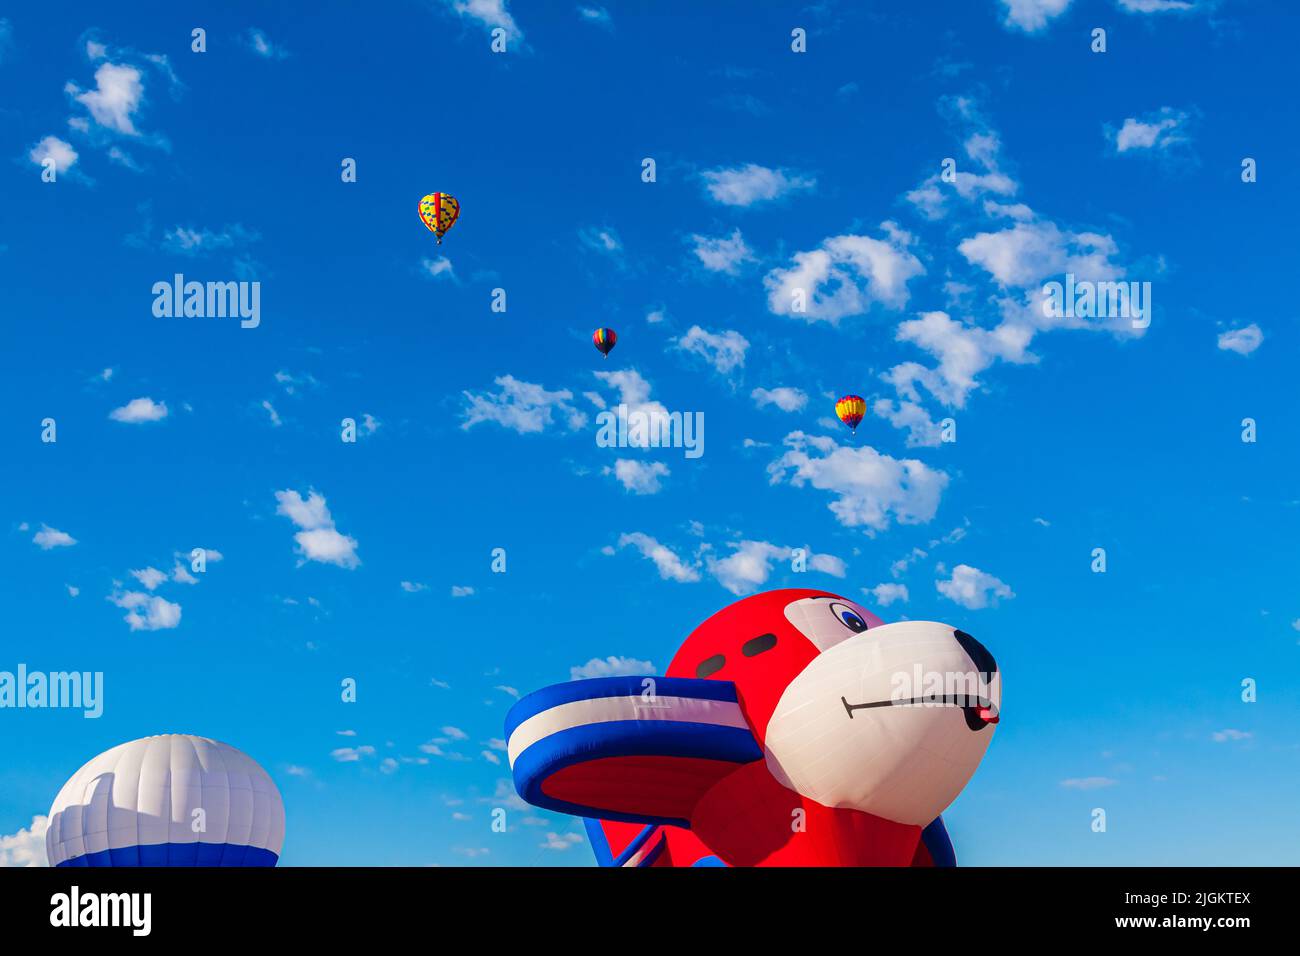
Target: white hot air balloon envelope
170,800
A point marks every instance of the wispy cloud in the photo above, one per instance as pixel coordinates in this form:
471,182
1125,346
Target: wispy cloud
258,43
724,254
751,184
522,406
611,667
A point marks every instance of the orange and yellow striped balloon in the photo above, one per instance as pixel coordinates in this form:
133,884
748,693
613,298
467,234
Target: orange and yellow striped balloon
850,410
439,212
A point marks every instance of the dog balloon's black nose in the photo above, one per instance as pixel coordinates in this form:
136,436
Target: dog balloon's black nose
979,654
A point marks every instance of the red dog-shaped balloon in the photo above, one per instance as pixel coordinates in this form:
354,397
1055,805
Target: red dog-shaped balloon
793,728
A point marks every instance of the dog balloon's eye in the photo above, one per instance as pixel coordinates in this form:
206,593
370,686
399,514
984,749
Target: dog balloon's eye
849,617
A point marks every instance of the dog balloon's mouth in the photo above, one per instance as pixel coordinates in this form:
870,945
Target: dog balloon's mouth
979,712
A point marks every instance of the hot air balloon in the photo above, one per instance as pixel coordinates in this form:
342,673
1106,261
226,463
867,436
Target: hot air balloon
795,704
439,212
850,410
169,800
604,340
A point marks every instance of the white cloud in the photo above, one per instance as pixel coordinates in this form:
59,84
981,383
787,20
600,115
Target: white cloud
318,539
899,567
597,15
889,592
749,565
352,754
872,489
725,351
522,407
1243,341
116,98
1229,734
27,846
611,667
51,148
983,148
845,276
638,477
260,44
147,612
49,538
455,733
602,240
139,410
783,397
490,14
724,254
460,591
292,383
150,577
1032,15
922,431
972,588
438,268
1154,6
634,392
1158,131
1026,253
1088,783
1019,253
751,183
963,351
670,566
190,241
272,413
557,841
414,587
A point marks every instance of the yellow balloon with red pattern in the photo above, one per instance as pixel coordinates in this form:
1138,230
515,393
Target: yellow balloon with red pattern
850,410
439,212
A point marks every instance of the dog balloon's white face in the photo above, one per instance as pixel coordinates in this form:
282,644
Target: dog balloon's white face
890,719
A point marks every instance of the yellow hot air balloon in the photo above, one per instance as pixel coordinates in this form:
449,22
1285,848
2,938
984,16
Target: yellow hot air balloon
850,410
439,212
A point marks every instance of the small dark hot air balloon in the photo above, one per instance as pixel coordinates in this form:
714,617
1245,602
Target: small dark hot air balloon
604,340
850,410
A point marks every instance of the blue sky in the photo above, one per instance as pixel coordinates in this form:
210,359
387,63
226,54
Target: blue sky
774,170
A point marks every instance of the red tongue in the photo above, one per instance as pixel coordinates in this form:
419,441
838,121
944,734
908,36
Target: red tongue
987,715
